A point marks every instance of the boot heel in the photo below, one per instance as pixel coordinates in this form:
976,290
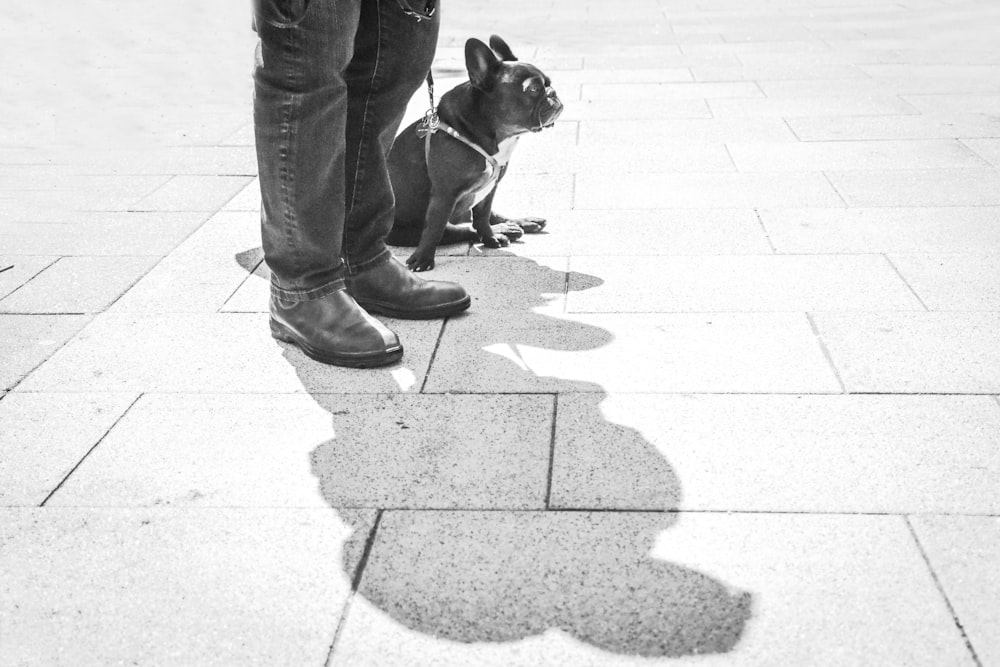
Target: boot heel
279,332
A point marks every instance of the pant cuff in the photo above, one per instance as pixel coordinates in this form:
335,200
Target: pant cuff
310,294
354,268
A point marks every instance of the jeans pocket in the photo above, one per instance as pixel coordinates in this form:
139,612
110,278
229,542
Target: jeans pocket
281,13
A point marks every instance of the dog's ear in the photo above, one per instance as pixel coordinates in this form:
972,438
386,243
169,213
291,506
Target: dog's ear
483,66
501,49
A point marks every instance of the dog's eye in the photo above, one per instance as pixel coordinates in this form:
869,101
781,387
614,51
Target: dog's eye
534,88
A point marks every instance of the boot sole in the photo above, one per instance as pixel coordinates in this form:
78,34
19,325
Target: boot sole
285,335
444,310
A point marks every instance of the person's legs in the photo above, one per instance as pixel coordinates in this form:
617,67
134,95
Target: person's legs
300,119
392,55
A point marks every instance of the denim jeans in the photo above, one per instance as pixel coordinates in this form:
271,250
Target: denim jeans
332,79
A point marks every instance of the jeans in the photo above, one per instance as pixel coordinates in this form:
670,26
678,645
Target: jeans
332,79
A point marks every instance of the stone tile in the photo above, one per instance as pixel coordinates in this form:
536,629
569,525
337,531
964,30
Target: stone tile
670,91
660,157
547,352
776,72
206,353
793,107
533,194
45,435
853,155
953,282
507,283
247,199
203,160
576,588
614,190
924,187
101,233
202,272
591,75
652,109
77,285
613,135
193,193
102,586
818,87
956,104
914,352
644,232
895,127
903,229
988,149
964,552
322,450
859,454
28,340
738,284
16,270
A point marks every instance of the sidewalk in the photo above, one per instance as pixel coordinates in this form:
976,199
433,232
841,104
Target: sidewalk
740,405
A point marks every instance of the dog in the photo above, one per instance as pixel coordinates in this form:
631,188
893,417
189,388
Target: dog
444,176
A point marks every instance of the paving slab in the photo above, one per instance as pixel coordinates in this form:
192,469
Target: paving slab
639,232
247,199
46,435
374,450
670,91
953,282
19,269
923,187
895,127
77,285
856,454
777,71
738,284
616,135
952,104
582,588
960,229
28,340
794,107
617,190
192,193
914,352
964,552
202,272
208,353
98,233
854,155
155,586
543,351
652,109
533,194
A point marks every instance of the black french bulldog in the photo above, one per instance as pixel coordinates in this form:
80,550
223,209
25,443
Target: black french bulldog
446,178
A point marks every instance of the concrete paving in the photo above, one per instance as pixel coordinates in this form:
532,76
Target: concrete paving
739,404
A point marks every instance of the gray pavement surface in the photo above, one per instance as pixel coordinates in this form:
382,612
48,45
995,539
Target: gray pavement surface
738,405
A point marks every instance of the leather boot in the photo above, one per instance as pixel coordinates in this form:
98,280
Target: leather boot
334,330
391,289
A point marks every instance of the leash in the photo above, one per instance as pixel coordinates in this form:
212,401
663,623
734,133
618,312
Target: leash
429,125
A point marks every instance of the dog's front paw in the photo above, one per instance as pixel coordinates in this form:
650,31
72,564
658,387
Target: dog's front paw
420,261
510,229
496,241
531,224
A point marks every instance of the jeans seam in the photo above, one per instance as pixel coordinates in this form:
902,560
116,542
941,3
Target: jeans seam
289,127
383,256
365,125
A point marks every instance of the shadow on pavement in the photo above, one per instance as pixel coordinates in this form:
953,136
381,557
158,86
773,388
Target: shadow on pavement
493,571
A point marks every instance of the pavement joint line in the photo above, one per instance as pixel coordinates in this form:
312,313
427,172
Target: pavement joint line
247,277
732,160
552,451
835,190
95,445
31,370
767,235
997,399
791,129
31,277
905,281
826,353
430,362
944,595
355,584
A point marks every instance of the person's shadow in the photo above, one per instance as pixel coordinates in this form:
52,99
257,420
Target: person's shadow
481,575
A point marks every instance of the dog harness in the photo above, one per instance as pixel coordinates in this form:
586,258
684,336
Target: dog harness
493,162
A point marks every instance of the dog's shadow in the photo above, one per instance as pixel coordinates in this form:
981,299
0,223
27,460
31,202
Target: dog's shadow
469,572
